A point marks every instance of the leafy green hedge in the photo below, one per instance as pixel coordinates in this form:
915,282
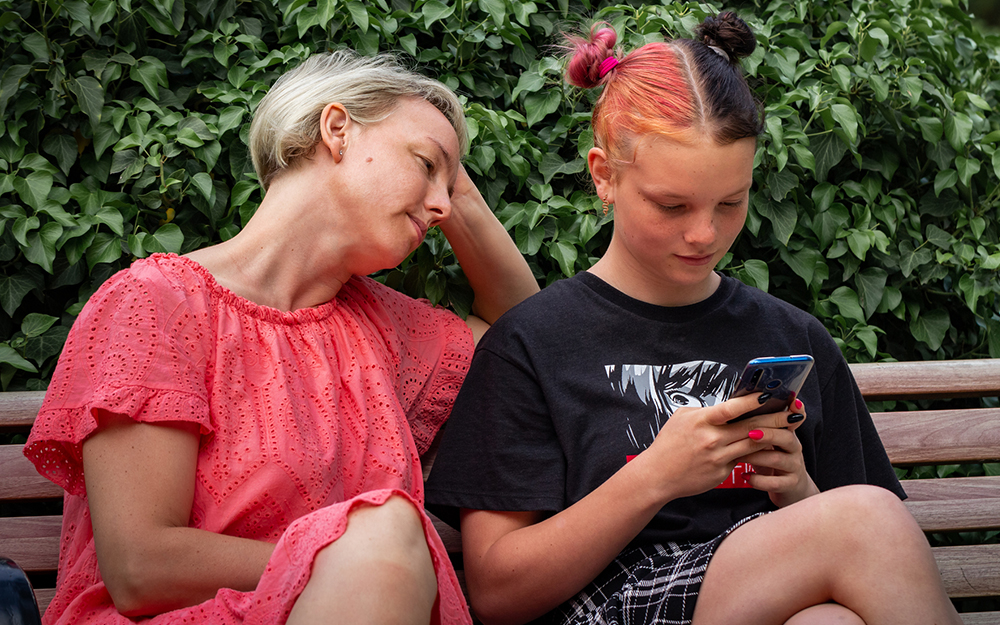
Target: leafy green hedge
123,127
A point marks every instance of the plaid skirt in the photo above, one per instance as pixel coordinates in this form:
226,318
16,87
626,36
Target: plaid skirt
655,584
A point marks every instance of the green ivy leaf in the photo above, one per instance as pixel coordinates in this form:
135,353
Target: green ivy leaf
782,215
847,117
828,150
168,238
63,148
842,76
41,348
9,356
90,97
931,129
565,254
433,10
41,249
538,105
871,287
945,179
930,327
106,248
13,288
967,168
958,129
847,303
151,73
755,273
35,324
360,15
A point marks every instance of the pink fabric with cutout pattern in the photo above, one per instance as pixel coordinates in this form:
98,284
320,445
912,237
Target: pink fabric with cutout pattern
303,414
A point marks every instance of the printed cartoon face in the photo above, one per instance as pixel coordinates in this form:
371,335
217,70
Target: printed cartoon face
666,388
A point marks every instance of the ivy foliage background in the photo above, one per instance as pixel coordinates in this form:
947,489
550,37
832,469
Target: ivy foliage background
123,126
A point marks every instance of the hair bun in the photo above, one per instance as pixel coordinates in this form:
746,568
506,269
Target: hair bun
728,33
587,54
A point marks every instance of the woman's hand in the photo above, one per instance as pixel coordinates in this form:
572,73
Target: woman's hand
497,272
780,469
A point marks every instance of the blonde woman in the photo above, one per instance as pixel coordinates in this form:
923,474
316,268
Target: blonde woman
238,430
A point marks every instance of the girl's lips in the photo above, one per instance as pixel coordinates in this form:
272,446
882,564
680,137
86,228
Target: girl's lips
696,260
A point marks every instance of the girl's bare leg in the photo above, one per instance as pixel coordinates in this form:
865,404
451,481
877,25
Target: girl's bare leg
378,571
826,614
857,546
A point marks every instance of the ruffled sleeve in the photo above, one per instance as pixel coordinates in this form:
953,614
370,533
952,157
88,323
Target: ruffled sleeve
138,348
433,353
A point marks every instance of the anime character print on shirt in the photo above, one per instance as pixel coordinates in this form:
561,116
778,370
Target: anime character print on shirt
665,388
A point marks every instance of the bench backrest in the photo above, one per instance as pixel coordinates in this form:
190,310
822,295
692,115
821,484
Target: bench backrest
953,435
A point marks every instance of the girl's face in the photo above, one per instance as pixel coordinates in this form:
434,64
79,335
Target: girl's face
678,209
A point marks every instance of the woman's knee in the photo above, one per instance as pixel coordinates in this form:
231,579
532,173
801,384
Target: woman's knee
390,533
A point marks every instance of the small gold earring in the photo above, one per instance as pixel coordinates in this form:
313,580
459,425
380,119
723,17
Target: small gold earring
605,206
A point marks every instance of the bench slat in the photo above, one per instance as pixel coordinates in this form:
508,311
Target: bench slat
31,541
943,489
980,618
44,597
956,516
969,570
940,436
18,408
20,480
928,379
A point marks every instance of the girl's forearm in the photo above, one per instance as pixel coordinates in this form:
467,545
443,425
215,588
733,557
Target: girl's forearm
498,274
531,570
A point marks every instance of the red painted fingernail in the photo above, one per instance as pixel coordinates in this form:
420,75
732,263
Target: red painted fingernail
755,435
798,404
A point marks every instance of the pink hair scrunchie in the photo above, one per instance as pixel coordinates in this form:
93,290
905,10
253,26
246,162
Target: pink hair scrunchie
607,65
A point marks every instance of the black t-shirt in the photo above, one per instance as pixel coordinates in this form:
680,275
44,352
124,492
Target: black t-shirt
569,385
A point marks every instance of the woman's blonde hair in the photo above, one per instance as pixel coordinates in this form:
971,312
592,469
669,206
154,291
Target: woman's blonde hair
286,123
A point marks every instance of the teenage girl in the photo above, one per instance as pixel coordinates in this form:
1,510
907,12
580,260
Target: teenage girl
590,451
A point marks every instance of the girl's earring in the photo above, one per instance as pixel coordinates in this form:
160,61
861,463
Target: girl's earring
605,206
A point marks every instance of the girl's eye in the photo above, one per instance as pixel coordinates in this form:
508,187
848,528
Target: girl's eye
428,164
669,207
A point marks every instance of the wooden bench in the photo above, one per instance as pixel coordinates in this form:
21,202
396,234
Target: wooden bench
942,436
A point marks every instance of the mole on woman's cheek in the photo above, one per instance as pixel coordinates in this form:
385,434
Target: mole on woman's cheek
368,160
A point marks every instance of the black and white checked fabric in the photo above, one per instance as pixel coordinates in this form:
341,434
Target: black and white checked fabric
647,585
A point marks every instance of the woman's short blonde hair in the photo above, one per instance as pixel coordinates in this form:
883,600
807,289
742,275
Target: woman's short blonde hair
286,123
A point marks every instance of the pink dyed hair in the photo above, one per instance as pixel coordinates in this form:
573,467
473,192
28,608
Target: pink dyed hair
673,89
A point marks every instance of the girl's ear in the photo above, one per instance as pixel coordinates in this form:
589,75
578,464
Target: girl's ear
334,125
600,171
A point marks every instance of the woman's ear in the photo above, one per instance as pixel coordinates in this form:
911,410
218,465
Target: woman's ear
334,124
600,171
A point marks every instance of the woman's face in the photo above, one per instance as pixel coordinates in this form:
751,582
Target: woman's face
678,209
400,175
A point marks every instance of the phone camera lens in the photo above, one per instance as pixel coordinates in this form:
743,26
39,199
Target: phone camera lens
756,377
773,384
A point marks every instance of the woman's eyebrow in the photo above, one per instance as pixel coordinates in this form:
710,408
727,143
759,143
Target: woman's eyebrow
448,162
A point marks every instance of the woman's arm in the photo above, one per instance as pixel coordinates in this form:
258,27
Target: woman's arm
499,276
519,566
140,481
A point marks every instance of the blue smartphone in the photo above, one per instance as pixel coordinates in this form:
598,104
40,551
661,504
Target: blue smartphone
778,379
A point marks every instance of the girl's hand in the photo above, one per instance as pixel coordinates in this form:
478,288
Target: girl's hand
698,448
780,467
